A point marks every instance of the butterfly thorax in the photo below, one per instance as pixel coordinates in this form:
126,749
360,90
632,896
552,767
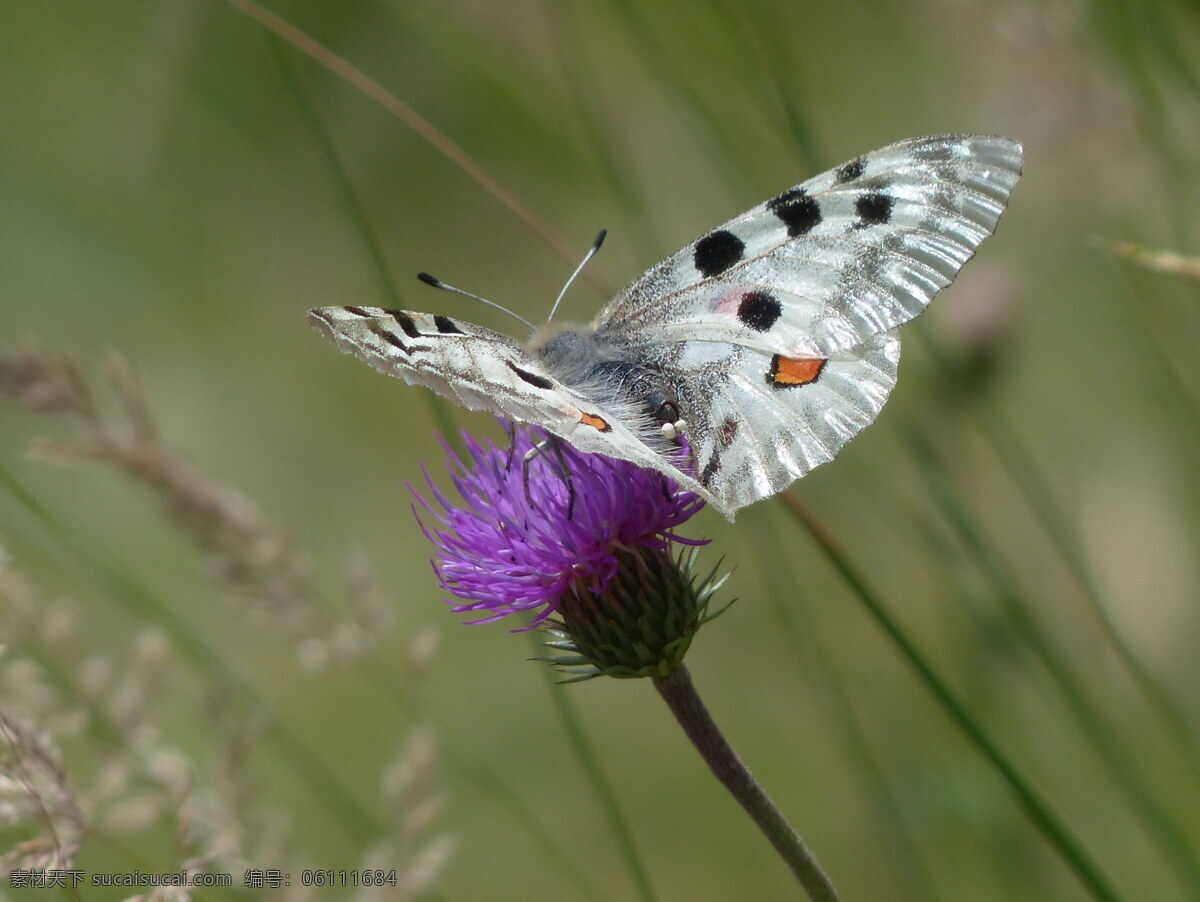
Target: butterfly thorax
603,370
566,349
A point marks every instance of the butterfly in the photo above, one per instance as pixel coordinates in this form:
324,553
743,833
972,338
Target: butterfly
767,343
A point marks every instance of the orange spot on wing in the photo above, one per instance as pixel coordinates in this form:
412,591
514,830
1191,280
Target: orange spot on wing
788,371
595,422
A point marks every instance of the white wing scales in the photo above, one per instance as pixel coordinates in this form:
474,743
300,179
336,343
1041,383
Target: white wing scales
484,370
774,333
855,251
787,432
463,362
755,435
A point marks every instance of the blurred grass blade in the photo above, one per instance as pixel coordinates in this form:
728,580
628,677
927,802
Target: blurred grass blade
1040,497
569,717
777,58
411,118
1169,343
335,64
1144,41
554,849
1156,259
1038,494
721,144
487,778
633,201
337,170
1107,745
358,217
139,602
1038,811
894,835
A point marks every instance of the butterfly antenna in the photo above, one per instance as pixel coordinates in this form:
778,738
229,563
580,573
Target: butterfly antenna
578,269
438,283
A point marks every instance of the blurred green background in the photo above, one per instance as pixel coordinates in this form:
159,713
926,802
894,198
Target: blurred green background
180,186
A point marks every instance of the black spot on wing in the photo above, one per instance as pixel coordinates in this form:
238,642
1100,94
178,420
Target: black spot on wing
532,378
446,326
391,338
717,252
405,322
874,208
357,311
797,210
759,311
848,172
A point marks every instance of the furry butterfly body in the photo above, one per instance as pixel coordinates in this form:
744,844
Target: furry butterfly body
769,342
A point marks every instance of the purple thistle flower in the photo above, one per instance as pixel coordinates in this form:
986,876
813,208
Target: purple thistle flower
502,550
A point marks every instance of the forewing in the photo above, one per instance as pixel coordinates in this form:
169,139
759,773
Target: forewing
472,366
485,370
820,268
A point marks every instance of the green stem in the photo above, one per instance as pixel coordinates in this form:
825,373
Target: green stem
681,697
913,878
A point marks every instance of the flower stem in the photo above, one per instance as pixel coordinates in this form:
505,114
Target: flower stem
681,697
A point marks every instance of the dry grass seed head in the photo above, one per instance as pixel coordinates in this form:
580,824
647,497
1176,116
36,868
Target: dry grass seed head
254,561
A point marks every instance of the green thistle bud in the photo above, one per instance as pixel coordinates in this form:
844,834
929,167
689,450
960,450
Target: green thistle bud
641,625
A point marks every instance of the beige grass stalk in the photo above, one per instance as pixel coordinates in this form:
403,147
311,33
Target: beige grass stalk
254,560
126,775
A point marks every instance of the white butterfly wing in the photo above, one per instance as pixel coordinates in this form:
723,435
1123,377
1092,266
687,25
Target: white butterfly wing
484,370
821,267
757,422
774,331
777,327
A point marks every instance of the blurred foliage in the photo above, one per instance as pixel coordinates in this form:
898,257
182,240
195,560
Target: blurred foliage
179,185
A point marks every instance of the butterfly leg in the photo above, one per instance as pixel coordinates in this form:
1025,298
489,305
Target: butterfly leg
549,443
565,472
510,429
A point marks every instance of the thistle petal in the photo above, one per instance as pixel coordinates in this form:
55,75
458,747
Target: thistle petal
501,550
